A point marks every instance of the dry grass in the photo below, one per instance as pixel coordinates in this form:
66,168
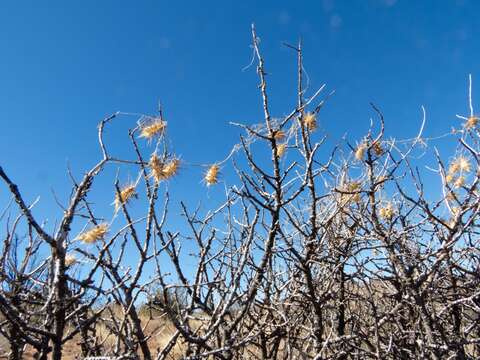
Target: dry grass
158,327
3,347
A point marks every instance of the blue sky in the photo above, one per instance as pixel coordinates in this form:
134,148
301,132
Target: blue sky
65,65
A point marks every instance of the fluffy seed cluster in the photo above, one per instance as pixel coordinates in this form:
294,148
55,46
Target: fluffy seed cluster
70,260
459,182
126,194
310,121
171,168
457,168
354,188
387,211
453,168
471,122
464,164
460,164
377,147
153,129
211,176
281,149
94,234
360,152
156,167
163,171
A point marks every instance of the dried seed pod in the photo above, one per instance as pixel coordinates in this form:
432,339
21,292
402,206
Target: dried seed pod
94,234
360,152
459,182
156,168
453,168
387,211
463,164
163,171
70,260
310,121
354,188
281,149
471,122
377,147
126,194
152,129
171,168
211,176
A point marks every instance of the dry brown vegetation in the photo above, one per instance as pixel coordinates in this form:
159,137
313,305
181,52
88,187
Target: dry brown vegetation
350,252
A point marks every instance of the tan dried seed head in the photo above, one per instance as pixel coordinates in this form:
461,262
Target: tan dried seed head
471,122
156,168
70,260
211,176
171,168
94,234
387,211
464,164
360,152
281,149
310,121
459,182
154,128
126,194
377,147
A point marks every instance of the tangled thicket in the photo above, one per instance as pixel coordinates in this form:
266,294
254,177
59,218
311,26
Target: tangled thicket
322,253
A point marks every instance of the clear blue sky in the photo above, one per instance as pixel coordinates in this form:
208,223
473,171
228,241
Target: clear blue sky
65,65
